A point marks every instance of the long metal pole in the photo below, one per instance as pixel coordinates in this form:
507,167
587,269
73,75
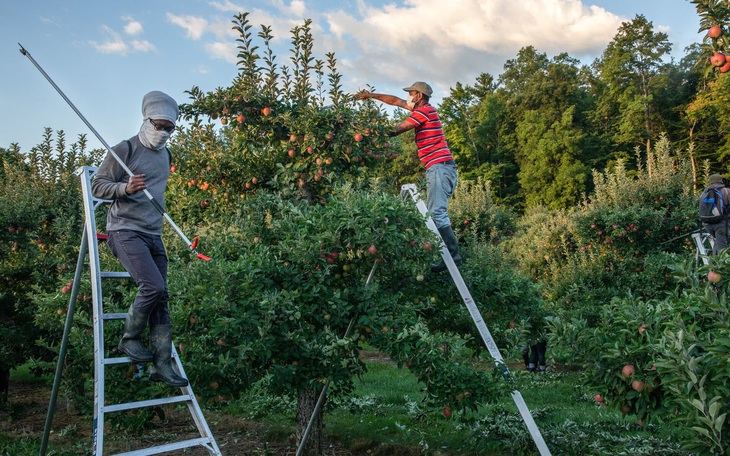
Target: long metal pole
126,169
64,342
323,393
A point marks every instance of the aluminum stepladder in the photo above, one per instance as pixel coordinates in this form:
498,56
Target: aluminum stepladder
410,190
90,244
703,251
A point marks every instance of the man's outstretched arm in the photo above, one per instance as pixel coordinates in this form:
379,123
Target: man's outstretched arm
387,99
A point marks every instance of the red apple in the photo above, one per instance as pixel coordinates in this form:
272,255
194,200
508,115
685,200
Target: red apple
725,68
426,246
266,111
358,137
241,118
446,411
372,250
310,149
598,398
628,371
637,385
224,120
714,31
221,342
173,168
717,59
329,137
292,152
714,277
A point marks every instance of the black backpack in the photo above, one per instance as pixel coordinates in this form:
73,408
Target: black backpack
712,205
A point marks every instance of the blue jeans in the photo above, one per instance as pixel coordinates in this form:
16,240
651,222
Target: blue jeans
441,181
144,257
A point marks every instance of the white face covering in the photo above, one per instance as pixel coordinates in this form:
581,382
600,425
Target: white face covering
151,138
410,101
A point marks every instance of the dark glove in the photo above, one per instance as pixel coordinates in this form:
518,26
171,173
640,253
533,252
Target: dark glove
392,133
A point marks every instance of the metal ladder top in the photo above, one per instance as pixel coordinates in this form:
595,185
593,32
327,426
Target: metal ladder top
90,245
703,251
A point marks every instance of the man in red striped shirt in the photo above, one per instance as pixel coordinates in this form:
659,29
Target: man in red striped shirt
434,153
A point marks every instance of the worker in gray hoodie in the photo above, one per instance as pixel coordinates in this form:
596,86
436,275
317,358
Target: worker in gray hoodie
134,228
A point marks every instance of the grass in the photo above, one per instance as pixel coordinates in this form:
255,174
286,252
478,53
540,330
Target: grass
387,411
387,416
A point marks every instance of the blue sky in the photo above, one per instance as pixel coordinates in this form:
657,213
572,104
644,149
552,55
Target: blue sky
105,55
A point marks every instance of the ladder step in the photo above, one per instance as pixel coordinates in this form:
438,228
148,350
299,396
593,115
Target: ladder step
147,403
118,360
115,275
114,316
171,447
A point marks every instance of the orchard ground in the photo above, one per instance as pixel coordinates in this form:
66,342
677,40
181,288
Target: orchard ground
385,417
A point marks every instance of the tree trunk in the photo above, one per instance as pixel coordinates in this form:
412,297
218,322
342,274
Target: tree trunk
306,403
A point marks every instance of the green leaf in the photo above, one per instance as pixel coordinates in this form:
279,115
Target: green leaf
719,422
698,405
713,409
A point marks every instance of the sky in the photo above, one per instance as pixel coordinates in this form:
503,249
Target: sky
105,55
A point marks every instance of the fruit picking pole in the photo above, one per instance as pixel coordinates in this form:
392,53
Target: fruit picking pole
411,190
323,393
126,169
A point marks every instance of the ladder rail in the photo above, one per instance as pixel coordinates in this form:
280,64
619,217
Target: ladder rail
64,345
410,190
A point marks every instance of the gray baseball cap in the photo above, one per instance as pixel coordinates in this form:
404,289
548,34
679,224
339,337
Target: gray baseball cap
420,86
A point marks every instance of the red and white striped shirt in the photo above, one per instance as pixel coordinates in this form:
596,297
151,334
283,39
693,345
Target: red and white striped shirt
430,140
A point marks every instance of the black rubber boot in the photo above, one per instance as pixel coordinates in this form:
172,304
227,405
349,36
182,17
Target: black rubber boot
447,234
130,344
161,343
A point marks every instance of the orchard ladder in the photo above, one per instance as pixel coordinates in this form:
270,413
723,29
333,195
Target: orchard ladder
89,243
703,251
411,190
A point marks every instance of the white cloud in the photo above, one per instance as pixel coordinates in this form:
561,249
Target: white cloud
115,44
454,41
194,26
227,6
133,27
142,46
222,50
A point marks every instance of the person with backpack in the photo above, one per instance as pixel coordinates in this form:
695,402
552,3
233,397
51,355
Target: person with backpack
714,203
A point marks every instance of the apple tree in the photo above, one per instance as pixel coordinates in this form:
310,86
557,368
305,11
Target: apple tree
40,197
280,178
